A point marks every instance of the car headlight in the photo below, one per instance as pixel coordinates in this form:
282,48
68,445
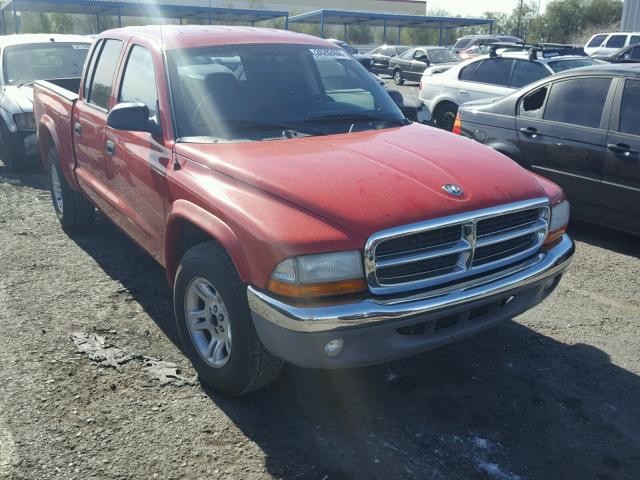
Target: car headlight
559,221
25,121
323,274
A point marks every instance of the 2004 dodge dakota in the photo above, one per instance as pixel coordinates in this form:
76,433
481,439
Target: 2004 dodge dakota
298,214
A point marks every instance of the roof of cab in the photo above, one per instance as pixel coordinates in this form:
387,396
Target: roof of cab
21,39
188,36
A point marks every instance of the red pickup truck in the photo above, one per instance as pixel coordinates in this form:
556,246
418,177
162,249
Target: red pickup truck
298,214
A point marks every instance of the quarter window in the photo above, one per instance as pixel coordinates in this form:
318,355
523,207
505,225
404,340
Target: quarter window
467,72
635,39
525,73
578,102
139,81
495,71
102,83
616,41
630,109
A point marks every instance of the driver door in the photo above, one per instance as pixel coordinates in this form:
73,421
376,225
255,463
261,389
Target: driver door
418,64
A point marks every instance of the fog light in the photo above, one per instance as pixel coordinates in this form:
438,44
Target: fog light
334,348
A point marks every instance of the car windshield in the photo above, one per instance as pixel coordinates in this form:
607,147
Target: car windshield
255,92
462,43
24,64
443,55
562,65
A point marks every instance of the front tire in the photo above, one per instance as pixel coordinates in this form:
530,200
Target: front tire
445,116
215,324
397,77
10,154
72,208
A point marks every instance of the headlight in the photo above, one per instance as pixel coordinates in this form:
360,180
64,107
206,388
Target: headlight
559,221
319,275
25,121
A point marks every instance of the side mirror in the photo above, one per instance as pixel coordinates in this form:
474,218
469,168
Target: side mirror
133,117
423,58
397,98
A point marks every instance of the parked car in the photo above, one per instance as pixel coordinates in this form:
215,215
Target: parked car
381,55
329,234
24,59
580,129
411,64
491,76
608,43
630,54
469,41
365,60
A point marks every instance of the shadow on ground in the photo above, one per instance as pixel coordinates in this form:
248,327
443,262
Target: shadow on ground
507,404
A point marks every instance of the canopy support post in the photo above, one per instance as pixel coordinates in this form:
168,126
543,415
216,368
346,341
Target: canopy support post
97,23
384,31
286,22
119,18
322,24
399,33
15,17
440,36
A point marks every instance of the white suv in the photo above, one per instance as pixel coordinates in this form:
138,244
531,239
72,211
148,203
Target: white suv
487,77
607,43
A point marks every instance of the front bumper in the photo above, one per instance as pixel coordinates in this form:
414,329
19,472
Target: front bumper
379,329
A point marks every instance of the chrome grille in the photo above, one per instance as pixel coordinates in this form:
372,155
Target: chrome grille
444,250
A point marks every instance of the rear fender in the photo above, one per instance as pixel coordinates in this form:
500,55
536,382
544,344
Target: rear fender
183,210
48,138
507,148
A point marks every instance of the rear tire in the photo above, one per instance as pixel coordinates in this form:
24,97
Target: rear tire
397,77
445,116
208,287
72,208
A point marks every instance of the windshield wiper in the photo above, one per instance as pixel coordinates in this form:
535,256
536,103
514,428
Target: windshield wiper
25,84
288,130
353,117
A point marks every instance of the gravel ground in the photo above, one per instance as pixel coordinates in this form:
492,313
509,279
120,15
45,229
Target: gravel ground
552,395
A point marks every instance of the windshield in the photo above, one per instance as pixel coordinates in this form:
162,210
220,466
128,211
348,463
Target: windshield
27,63
562,65
462,43
443,55
263,92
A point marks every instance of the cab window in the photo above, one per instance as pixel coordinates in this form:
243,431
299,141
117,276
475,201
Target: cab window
139,80
596,41
630,109
102,82
578,102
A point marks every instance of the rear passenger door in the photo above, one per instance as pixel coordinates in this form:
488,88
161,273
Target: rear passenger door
485,79
621,187
562,132
90,120
136,163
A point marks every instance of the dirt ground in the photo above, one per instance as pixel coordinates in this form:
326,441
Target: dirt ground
553,395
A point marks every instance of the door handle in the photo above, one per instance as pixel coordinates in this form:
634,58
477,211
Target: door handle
77,128
530,131
463,92
111,147
623,149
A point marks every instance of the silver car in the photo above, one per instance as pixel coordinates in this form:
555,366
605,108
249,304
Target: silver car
24,59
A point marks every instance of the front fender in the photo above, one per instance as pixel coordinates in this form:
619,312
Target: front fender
183,210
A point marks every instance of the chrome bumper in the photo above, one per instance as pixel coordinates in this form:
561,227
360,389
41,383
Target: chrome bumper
546,266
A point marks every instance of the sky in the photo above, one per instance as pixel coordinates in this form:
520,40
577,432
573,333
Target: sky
475,7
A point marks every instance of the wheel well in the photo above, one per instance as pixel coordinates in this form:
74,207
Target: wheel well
45,141
442,105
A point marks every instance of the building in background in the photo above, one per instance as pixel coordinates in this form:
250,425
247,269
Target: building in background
630,16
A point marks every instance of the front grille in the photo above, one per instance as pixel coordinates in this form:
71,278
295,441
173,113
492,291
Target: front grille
444,250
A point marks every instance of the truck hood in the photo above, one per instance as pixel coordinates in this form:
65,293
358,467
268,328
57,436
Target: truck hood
368,181
18,99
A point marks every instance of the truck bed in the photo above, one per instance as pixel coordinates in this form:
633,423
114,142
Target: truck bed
53,102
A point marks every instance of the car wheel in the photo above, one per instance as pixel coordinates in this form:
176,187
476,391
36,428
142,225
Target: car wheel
397,77
215,324
72,208
445,116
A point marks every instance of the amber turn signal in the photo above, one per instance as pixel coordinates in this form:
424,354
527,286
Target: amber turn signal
553,236
315,290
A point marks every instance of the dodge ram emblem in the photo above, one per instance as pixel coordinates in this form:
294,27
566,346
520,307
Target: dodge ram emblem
452,189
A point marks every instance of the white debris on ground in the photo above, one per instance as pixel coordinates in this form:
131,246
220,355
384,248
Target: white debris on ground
107,355
481,443
482,463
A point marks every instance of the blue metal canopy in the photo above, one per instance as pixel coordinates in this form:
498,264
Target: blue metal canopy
142,8
386,20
